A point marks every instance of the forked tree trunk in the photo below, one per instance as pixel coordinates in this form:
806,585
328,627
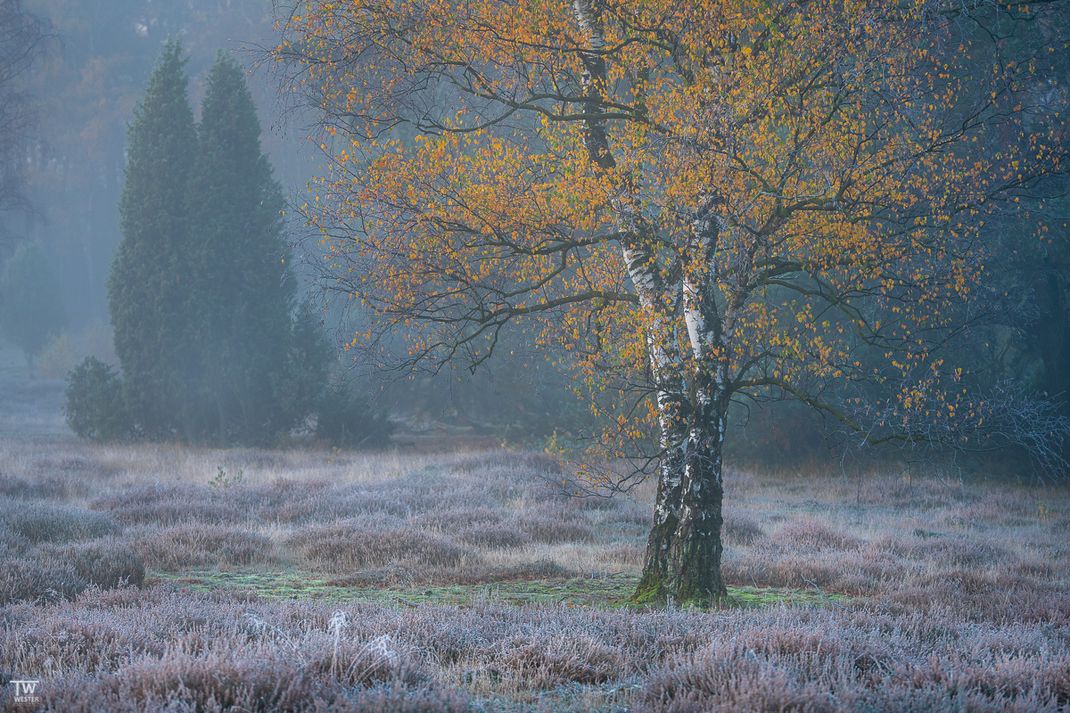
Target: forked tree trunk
683,559
684,565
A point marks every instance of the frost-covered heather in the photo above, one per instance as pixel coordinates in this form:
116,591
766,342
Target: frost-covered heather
926,594
132,649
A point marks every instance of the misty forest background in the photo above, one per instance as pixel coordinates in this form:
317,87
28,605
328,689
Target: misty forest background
62,227
227,484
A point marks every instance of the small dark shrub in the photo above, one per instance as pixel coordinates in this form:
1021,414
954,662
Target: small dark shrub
96,408
346,419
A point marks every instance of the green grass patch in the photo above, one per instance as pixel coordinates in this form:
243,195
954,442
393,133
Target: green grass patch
609,591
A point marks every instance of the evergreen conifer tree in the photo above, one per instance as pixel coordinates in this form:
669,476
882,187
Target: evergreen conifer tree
245,295
150,285
202,294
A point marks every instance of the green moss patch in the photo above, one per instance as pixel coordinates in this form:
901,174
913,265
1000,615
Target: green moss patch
601,592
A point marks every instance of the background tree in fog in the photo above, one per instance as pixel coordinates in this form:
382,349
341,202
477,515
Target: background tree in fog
702,201
31,309
202,293
244,298
150,290
22,37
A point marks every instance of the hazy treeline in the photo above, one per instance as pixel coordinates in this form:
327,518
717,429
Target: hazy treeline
84,88
90,68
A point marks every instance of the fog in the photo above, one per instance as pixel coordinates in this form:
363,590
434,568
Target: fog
93,70
457,355
86,75
78,70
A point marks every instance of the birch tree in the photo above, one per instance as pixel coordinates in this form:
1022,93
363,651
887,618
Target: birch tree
698,201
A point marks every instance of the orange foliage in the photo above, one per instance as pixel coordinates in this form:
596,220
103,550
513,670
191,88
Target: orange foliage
845,147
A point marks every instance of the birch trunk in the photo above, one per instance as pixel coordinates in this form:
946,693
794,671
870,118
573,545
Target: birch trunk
695,554
684,548
688,570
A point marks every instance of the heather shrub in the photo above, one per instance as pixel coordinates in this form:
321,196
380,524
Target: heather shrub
178,512
811,534
104,563
450,519
505,475
850,572
489,534
12,486
962,553
513,462
550,526
68,463
632,513
55,571
13,543
180,681
186,546
40,522
720,680
356,663
537,569
170,505
550,661
1034,569
24,579
348,546
480,573
591,502
338,504
740,530
629,554
399,699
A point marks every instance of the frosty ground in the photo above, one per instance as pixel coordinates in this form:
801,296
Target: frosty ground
173,578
